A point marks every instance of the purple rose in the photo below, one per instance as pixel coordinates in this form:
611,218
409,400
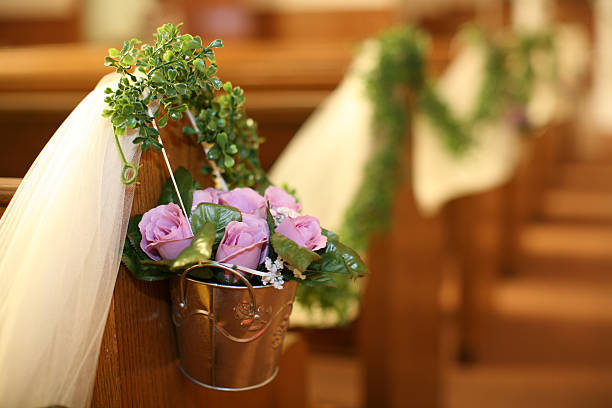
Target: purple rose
209,195
304,230
247,200
277,197
165,232
244,243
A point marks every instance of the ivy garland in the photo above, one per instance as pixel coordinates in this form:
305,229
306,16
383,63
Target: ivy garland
401,68
396,85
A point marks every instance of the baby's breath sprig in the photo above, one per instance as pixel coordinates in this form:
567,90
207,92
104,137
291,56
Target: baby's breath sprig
175,75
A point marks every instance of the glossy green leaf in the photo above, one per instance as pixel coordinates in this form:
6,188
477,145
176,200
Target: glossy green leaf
200,249
163,121
338,258
216,44
297,256
216,214
199,64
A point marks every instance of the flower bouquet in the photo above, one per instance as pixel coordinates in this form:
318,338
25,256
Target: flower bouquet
234,254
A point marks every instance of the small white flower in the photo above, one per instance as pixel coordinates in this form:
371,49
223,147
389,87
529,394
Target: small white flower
274,276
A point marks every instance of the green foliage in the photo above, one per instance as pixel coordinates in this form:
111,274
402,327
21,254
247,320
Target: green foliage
177,74
297,256
398,85
215,214
398,75
337,258
200,249
186,185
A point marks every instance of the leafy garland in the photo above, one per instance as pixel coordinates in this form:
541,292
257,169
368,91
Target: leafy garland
177,75
400,70
396,85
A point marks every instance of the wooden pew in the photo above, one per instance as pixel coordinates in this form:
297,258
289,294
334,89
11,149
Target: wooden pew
8,186
484,232
400,319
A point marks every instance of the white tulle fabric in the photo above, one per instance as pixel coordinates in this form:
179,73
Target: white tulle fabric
325,159
61,239
324,162
438,175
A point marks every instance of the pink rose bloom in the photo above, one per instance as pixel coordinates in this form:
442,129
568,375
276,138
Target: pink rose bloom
277,197
304,230
165,232
247,200
208,195
244,243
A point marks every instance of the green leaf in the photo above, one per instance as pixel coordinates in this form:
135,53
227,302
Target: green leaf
172,73
181,89
158,77
128,60
216,214
297,256
113,52
200,249
188,130
216,83
338,258
186,185
199,64
212,70
228,161
163,121
222,140
329,234
227,87
216,44
232,149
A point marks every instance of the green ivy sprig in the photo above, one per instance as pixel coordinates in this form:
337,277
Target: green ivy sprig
177,75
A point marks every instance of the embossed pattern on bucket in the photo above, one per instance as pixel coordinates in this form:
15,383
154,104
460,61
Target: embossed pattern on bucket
223,342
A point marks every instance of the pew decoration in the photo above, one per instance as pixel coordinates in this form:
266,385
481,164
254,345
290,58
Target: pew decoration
386,92
235,253
398,85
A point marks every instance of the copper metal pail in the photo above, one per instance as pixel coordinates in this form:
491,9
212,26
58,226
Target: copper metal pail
230,337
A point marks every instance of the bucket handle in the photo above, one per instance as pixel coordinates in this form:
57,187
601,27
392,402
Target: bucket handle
182,288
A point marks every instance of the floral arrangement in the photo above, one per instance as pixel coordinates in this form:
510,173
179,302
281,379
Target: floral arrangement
245,223
263,236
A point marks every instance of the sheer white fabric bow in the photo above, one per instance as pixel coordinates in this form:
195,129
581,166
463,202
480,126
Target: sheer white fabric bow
60,247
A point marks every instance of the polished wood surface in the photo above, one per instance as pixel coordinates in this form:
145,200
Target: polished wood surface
400,319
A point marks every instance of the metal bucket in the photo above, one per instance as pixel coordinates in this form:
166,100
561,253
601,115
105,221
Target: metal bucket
230,337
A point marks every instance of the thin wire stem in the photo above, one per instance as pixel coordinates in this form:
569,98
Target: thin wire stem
221,184
169,167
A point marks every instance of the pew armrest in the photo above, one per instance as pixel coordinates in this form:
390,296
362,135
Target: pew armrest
8,186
